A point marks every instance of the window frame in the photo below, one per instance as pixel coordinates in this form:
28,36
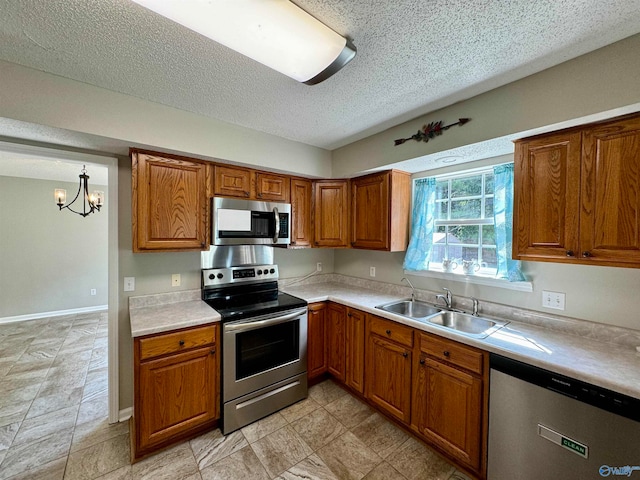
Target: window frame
480,222
489,281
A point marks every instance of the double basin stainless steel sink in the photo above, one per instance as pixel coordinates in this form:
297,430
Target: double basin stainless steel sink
464,323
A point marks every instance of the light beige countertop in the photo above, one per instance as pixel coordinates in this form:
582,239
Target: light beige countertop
164,312
594,353
609,365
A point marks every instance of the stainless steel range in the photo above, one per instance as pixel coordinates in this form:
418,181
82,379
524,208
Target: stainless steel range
264,334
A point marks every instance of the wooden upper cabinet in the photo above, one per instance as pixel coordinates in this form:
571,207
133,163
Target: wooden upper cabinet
577,195
380,205
272,187
169,203
331,210
301,193
240,182
232,181
610,214
546,197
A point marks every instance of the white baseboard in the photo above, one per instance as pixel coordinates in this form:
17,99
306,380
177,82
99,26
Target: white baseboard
57,313
125,414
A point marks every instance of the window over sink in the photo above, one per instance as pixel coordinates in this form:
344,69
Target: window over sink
461,227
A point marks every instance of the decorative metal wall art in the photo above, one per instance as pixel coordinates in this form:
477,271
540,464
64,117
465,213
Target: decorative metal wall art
430,131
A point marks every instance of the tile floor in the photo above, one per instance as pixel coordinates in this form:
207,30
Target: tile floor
53,424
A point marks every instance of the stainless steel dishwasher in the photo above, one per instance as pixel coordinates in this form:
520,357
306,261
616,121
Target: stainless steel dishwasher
547,426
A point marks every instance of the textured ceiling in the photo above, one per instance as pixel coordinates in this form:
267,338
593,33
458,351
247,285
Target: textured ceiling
413,57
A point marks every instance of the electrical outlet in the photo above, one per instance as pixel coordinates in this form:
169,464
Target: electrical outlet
372,271
319,267
129,284
93,291
175,280
553,300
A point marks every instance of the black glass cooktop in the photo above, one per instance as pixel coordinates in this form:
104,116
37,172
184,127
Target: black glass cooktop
240,302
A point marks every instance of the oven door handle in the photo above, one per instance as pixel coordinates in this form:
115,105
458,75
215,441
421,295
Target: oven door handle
246,326
276,218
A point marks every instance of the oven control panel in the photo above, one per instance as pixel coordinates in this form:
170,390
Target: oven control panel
231,275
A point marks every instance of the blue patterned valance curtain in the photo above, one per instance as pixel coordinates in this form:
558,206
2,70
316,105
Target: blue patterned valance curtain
503,217
422,225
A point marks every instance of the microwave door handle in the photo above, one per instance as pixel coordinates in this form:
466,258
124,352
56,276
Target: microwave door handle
245,326
276,219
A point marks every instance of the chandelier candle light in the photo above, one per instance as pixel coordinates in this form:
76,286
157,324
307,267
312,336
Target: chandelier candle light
90,202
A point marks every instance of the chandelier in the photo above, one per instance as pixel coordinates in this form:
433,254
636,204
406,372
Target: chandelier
90,202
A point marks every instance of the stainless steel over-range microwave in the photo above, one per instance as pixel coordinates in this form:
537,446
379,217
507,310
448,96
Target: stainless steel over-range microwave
247,222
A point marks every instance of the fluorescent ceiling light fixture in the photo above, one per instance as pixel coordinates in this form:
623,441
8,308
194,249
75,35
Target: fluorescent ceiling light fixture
276,33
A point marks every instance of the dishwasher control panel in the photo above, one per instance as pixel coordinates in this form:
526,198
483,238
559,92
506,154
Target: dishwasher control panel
600,397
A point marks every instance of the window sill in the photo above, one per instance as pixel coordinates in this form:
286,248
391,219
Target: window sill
474,279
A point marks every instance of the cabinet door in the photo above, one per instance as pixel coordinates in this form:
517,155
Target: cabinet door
610,215
232,182
388,377
370,212
316,352
546,198
176,394
301,212
331,207
447,409
169,203
272,187
336,341
355,349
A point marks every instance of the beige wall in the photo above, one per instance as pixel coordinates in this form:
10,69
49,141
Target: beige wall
49,260
32,96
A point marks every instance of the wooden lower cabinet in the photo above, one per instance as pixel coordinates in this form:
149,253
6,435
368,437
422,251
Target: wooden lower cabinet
336,340
448,399
316,339
176,387
435,387
388,369
355,330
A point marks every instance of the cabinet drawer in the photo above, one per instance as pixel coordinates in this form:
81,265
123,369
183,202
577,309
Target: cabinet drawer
391,330
451,352
163,344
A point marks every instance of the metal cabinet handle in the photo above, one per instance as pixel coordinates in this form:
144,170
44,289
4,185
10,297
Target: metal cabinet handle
388,332
213,351
181,342
446,353
422,362
405,354
586,254
570,253
246,194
